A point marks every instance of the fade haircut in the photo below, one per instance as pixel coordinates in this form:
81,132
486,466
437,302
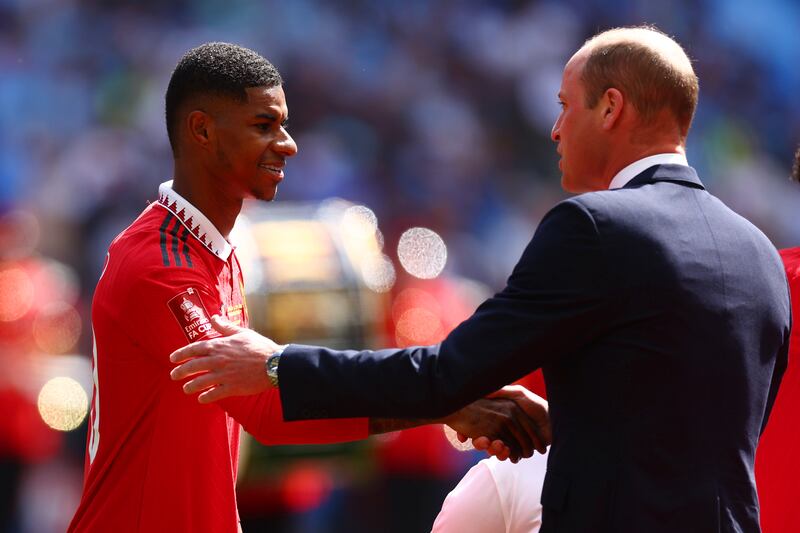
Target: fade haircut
219,69
796,166
649,68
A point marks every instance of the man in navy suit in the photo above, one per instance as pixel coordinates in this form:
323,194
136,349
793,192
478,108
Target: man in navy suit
660,318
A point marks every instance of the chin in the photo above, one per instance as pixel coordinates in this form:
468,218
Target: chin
265,196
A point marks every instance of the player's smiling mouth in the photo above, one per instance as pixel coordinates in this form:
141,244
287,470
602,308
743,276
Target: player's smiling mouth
273,169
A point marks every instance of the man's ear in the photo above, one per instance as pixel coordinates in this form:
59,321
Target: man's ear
611,105
201,128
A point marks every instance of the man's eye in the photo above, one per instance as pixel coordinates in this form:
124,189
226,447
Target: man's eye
263,126
285,124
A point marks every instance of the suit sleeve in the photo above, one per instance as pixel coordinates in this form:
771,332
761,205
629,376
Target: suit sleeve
555,301
781,363
175,306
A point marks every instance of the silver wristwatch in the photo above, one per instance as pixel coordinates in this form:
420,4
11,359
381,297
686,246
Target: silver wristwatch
271,366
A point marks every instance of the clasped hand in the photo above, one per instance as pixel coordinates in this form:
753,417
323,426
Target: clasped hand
511,424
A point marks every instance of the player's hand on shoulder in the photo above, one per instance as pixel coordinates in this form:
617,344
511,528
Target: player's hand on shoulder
230,365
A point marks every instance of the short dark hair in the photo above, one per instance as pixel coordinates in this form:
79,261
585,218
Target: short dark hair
649,81
796,166
220,69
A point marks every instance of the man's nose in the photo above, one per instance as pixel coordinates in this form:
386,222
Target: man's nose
285,145
555,133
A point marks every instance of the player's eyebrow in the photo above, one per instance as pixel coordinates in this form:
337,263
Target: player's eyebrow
272,118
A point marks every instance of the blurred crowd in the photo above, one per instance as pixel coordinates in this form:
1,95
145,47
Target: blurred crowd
431,113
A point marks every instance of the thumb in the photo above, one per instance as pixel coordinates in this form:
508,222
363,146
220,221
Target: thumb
224,326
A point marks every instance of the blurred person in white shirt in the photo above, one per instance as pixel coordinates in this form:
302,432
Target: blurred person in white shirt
496,496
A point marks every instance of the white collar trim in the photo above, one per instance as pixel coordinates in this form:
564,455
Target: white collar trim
194,220
637,167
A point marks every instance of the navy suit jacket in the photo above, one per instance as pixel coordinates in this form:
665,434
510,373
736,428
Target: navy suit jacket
661,321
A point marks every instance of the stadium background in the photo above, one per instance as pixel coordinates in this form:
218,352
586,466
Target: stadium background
430,114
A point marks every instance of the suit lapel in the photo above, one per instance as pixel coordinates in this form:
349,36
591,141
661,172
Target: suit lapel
673,173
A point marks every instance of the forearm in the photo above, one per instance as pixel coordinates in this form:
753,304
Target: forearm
387,425
261,416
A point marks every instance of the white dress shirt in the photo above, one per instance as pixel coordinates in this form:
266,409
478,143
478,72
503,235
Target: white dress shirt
637,167
496,497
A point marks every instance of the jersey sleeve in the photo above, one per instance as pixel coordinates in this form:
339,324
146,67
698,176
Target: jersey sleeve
166,309
261,415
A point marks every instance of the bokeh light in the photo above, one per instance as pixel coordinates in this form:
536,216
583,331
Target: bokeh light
452,438
57,327
417,317
16,294
63,404
412,297
380,241
378,273
305,487
418,326
422,253
358,226
363,242
359,222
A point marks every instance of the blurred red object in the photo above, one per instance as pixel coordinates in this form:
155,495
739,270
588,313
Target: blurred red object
29,287
777,456
305,487
23,434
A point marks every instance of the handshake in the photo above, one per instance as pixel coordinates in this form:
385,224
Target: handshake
511,423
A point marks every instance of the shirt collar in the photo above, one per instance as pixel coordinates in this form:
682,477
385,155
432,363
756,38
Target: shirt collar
195,221
637,167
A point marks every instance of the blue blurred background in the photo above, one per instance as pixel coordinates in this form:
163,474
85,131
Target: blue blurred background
433,114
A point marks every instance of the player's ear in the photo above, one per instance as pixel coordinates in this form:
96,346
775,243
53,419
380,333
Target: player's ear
200,126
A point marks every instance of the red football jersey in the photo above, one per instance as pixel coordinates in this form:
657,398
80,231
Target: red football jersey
156,459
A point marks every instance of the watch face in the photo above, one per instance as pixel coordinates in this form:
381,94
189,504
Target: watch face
272,369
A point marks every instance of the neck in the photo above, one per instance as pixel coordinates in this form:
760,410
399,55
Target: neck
622,159
213,201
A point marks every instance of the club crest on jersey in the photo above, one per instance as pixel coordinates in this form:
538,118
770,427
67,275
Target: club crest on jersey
191,314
